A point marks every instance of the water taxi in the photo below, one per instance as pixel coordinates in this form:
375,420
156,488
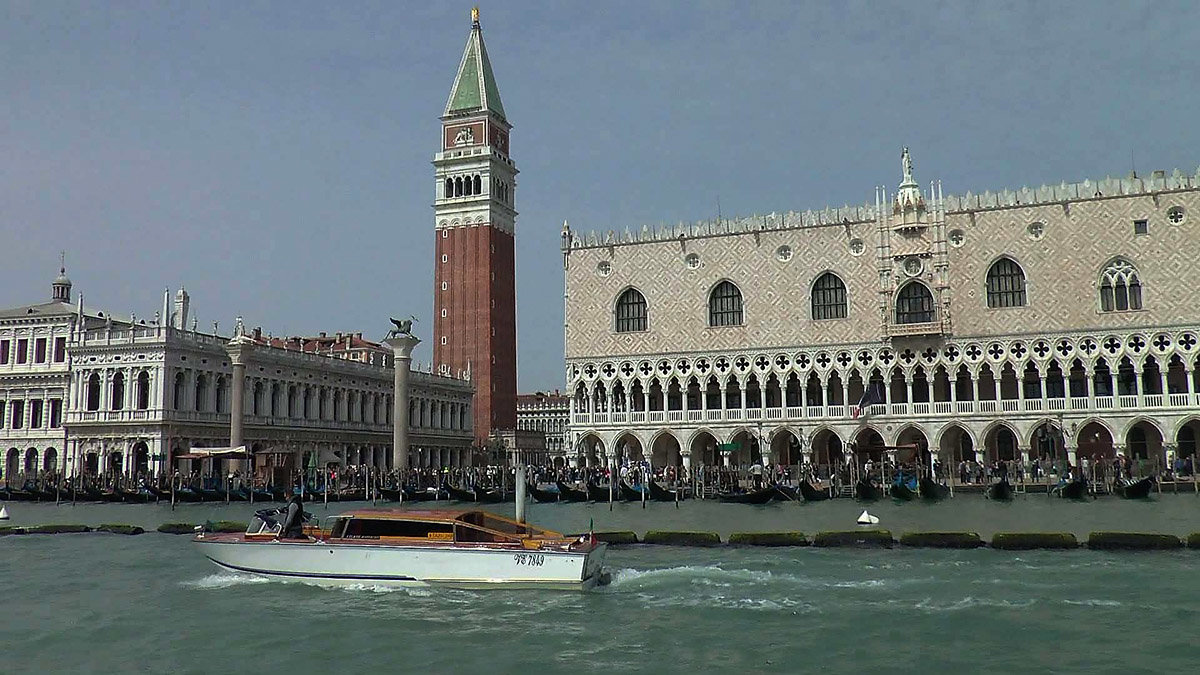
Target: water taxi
394,547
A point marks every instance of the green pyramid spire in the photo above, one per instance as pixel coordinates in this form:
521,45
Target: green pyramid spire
474,87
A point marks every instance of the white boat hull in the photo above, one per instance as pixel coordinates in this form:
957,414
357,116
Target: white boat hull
460,566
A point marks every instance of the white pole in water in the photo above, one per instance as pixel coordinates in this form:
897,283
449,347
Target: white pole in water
520,479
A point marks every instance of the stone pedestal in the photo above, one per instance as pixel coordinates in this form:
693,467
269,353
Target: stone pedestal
239,349
402,347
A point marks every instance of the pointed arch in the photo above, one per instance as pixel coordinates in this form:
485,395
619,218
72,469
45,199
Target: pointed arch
1005,284
1120,286
725,304
914,304
828,297
630,313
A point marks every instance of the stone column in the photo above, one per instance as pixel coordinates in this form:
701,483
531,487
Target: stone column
402,347
239,349
686,454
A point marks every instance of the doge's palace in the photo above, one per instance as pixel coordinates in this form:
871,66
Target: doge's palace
1055,322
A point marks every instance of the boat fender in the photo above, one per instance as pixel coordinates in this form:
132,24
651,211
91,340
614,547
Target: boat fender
867,519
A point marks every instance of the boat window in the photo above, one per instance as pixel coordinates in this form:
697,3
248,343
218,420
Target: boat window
339,528
467,533
362,528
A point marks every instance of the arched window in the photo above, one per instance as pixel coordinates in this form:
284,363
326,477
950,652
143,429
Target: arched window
143,390
222,395
631,312
478,185
178,398
914,304
725,305
449,188
118,391
458,186
829,297
93,392
1005,284
467,186
201,392
1120,289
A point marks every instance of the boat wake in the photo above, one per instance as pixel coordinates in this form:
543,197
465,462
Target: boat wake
224,580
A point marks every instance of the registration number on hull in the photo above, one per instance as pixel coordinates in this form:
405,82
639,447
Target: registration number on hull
530,559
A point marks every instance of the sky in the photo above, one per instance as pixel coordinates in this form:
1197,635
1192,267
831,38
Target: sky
275,158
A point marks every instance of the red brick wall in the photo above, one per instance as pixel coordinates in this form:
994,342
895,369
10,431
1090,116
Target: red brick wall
480,326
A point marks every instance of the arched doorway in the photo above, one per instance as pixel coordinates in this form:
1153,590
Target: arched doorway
1095,442
704,449
12,464
664,450
629,449
869,445
31,461
141,458
745,449
1047,442
956,445
1186,445
1000,444
115,462
827,450
1143,447
91,464
785,447
912,447
50,460
592,450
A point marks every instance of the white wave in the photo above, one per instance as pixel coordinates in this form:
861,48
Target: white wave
970,602
708,575
225,580
1092,602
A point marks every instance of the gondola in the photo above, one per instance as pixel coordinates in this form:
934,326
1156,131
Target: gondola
462,495
599,493
1001,490
91,494
867,491
903,488
932,490
1076,489
352,494
632,494
659,493
187,494
210,495
139,496
543,496
391,494
113,495
429,494
760,496
1134,489
17,495
494,496
788,492
812,494
570,494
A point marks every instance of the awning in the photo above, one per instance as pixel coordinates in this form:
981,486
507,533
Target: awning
206,453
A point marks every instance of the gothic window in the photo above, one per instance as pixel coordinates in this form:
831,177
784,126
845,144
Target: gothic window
631,312
222,395
449,188
1005,284
478,185
118,391
177,400
143,390
1120,289
914,304
458,188
93,392
829,297
725,305
201,392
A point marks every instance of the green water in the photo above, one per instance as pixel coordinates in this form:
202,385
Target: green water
151,603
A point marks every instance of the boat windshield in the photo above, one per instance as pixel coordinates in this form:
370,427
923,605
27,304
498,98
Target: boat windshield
487,520
369,528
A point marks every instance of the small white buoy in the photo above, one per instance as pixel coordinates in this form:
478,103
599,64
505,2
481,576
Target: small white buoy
868,519
3,513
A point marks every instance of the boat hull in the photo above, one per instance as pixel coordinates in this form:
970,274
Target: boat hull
457,566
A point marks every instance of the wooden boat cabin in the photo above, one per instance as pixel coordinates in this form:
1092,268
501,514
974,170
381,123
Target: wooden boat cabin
442,527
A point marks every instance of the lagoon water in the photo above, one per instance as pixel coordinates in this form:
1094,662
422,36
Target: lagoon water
151,603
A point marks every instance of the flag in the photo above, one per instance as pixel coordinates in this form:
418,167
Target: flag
872,395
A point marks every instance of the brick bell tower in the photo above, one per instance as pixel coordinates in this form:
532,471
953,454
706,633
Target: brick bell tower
475,304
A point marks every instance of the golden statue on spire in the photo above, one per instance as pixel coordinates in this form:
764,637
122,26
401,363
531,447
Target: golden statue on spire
475,14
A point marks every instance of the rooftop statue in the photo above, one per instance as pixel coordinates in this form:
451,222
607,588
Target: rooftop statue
402,327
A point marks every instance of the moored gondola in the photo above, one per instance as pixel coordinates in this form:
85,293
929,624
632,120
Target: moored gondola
867,491
1001,490
461,495
1075,489
632,494
932,490
812,494
1134,489
599,493
494,496
391,494
187,494
543,496
786,492
760,496
904,488
139,496
570,494
659,493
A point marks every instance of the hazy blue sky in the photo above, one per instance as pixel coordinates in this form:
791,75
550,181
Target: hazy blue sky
274,158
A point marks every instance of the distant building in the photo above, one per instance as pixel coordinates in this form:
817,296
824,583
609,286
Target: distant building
1058,321
548,414
85,392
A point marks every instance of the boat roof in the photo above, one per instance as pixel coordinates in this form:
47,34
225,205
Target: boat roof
417,514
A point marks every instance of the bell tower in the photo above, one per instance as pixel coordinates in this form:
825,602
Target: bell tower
474,306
